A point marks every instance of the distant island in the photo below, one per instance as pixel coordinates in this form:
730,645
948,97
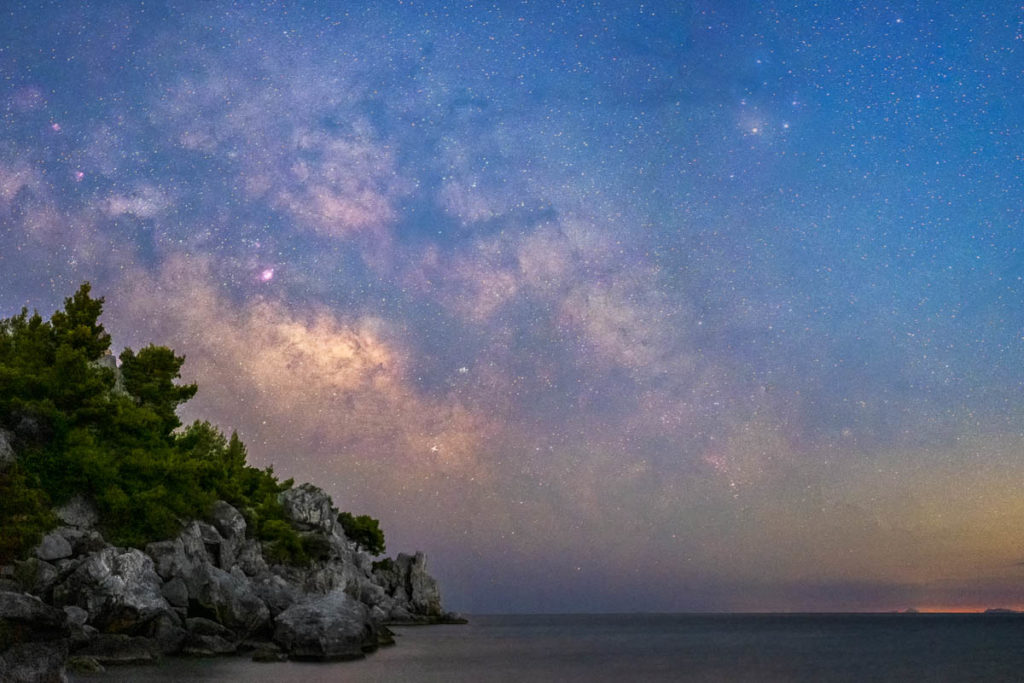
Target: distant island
991,610
126,536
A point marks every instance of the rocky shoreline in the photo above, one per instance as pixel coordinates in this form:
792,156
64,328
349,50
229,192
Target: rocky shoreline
79,602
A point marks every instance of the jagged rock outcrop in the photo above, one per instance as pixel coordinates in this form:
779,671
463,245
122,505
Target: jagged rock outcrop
411,595
26,617
337,563
208,591
117,587
309,508
200,575
231,526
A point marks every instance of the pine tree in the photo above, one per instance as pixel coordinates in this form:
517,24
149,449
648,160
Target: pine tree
78,324
149,378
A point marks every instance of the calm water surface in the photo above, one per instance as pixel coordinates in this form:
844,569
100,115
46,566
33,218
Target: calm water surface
760,648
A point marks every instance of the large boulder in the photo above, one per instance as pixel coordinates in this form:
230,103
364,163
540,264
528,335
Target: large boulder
309,508
229,521
53,547
117,587
25,617
228,598
78,512
176,592
329,627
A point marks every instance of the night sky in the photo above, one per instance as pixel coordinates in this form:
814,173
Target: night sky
605,306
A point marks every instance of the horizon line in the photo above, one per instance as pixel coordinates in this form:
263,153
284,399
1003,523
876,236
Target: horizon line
912,611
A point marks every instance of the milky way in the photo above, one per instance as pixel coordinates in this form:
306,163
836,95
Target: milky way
656,306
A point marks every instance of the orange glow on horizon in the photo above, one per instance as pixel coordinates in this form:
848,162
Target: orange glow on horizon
961,609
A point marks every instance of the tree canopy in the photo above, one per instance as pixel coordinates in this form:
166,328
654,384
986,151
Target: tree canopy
77,430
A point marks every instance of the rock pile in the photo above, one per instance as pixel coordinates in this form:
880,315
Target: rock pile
209,591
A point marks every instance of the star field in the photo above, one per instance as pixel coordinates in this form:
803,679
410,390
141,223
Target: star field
606,306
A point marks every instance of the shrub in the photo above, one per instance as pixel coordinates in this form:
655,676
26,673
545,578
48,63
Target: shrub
386,565
316,547
282,543
364,531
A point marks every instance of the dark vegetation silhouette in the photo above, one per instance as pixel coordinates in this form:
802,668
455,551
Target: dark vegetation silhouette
81,428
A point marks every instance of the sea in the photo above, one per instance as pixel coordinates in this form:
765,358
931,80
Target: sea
653,647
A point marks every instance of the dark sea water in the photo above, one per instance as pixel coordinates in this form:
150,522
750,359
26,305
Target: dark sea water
762,648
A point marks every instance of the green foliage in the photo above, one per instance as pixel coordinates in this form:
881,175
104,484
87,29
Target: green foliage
387,564
123,449
364,531
24,516
78,327
149,378
283,545
316,546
